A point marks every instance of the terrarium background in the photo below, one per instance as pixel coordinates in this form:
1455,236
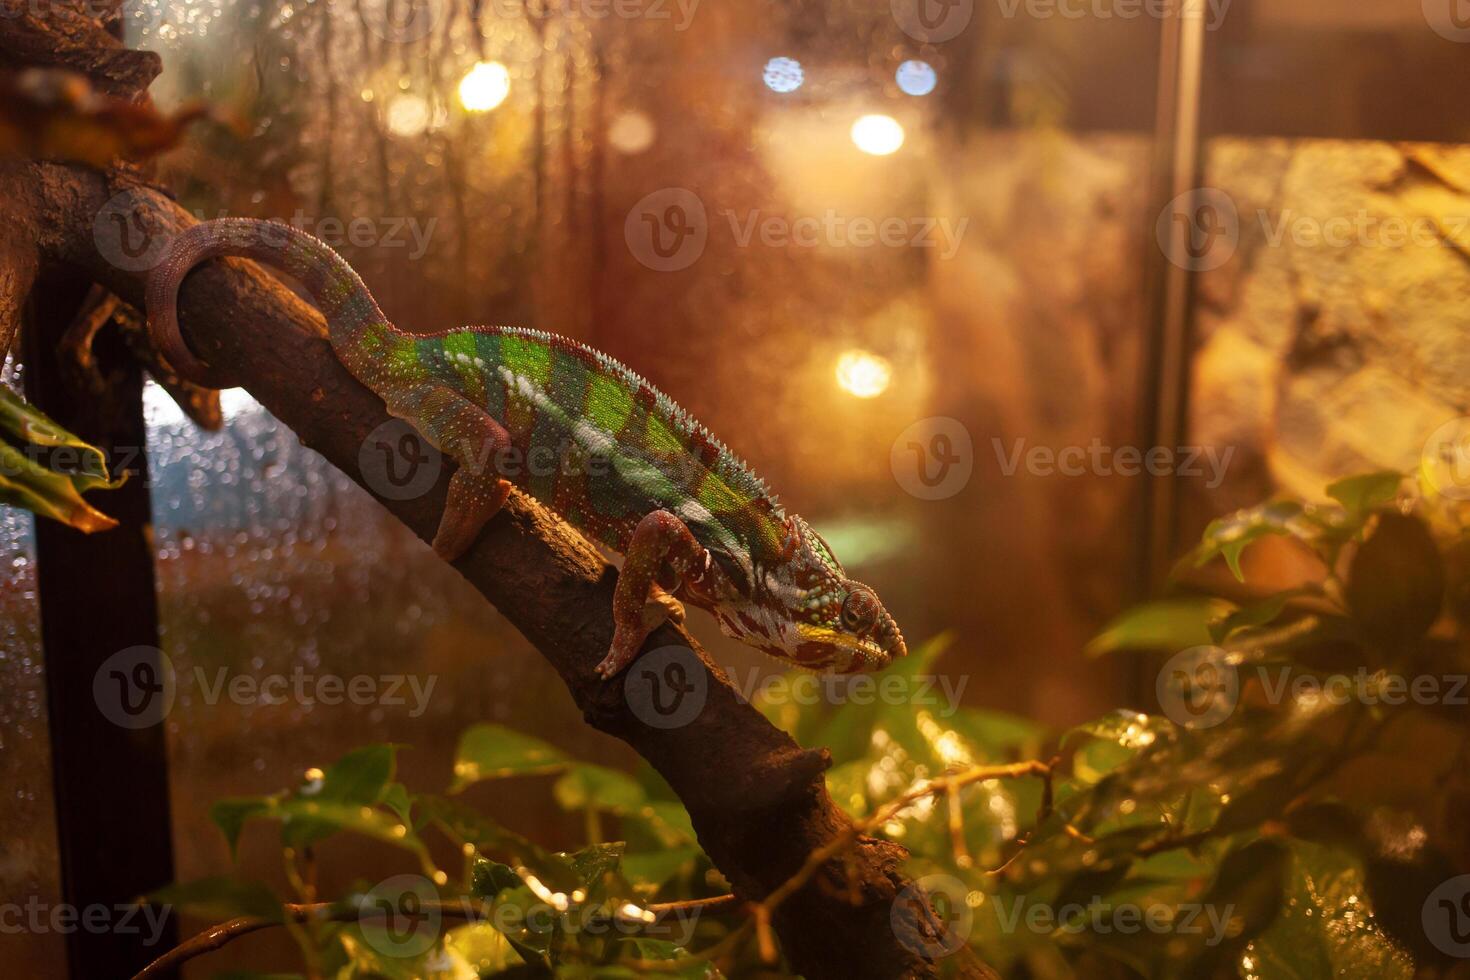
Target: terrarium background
1311,362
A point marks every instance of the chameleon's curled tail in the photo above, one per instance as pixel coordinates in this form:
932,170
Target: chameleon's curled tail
334,287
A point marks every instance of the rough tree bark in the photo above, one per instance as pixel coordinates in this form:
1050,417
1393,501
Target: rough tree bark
758,801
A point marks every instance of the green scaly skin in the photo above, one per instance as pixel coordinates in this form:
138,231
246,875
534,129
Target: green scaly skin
587,437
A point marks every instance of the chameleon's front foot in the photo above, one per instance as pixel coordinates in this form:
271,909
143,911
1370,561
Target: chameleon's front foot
628,638
473,500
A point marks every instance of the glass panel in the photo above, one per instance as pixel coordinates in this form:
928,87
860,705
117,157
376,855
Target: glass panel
30,871
300,622
866,223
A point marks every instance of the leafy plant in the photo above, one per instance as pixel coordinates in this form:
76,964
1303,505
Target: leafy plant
1289,812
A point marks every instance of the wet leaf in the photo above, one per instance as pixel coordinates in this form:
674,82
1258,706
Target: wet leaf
1361,495
54,490
1228,537
1326,927
1167,624
357,781
494,752
596,787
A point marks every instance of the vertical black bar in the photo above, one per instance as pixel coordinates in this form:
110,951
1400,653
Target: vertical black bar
1177,162
97,599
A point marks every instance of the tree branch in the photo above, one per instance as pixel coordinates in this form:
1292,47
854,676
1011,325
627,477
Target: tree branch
758,800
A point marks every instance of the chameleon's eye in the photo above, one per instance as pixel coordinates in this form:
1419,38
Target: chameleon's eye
860,610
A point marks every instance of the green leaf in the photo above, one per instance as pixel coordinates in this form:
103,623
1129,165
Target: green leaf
55,493
1166,624
357,781
1256,615
1228,537
483,947
305,821
362,776
654,868
490,878
231,816
1326,927
586,786
219,899
470,826
592,865
493,752
1250,888
1361,495
398,799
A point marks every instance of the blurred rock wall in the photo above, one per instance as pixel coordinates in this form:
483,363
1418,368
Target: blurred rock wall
1337,338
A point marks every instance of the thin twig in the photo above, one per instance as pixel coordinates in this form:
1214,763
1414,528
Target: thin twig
300,913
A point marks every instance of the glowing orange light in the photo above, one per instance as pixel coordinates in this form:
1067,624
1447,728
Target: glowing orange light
878,135
485,86
863,374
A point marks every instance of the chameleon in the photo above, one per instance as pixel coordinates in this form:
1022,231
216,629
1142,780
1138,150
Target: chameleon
585,436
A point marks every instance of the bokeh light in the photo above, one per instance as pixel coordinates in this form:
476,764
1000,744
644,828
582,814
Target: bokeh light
877,134
408,115
784,75
916,77
863,374
485,86
631,132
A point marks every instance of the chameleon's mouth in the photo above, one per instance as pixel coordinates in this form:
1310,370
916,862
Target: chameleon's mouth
845,652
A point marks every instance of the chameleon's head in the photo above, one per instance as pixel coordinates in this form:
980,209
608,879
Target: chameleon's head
809,612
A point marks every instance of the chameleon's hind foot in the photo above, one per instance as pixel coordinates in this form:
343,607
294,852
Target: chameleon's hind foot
628,639
474,498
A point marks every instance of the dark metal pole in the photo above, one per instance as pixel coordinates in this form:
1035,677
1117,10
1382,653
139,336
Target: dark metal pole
1177,174
97,600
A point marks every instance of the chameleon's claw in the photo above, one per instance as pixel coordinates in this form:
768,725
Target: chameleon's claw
628,640
620,656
